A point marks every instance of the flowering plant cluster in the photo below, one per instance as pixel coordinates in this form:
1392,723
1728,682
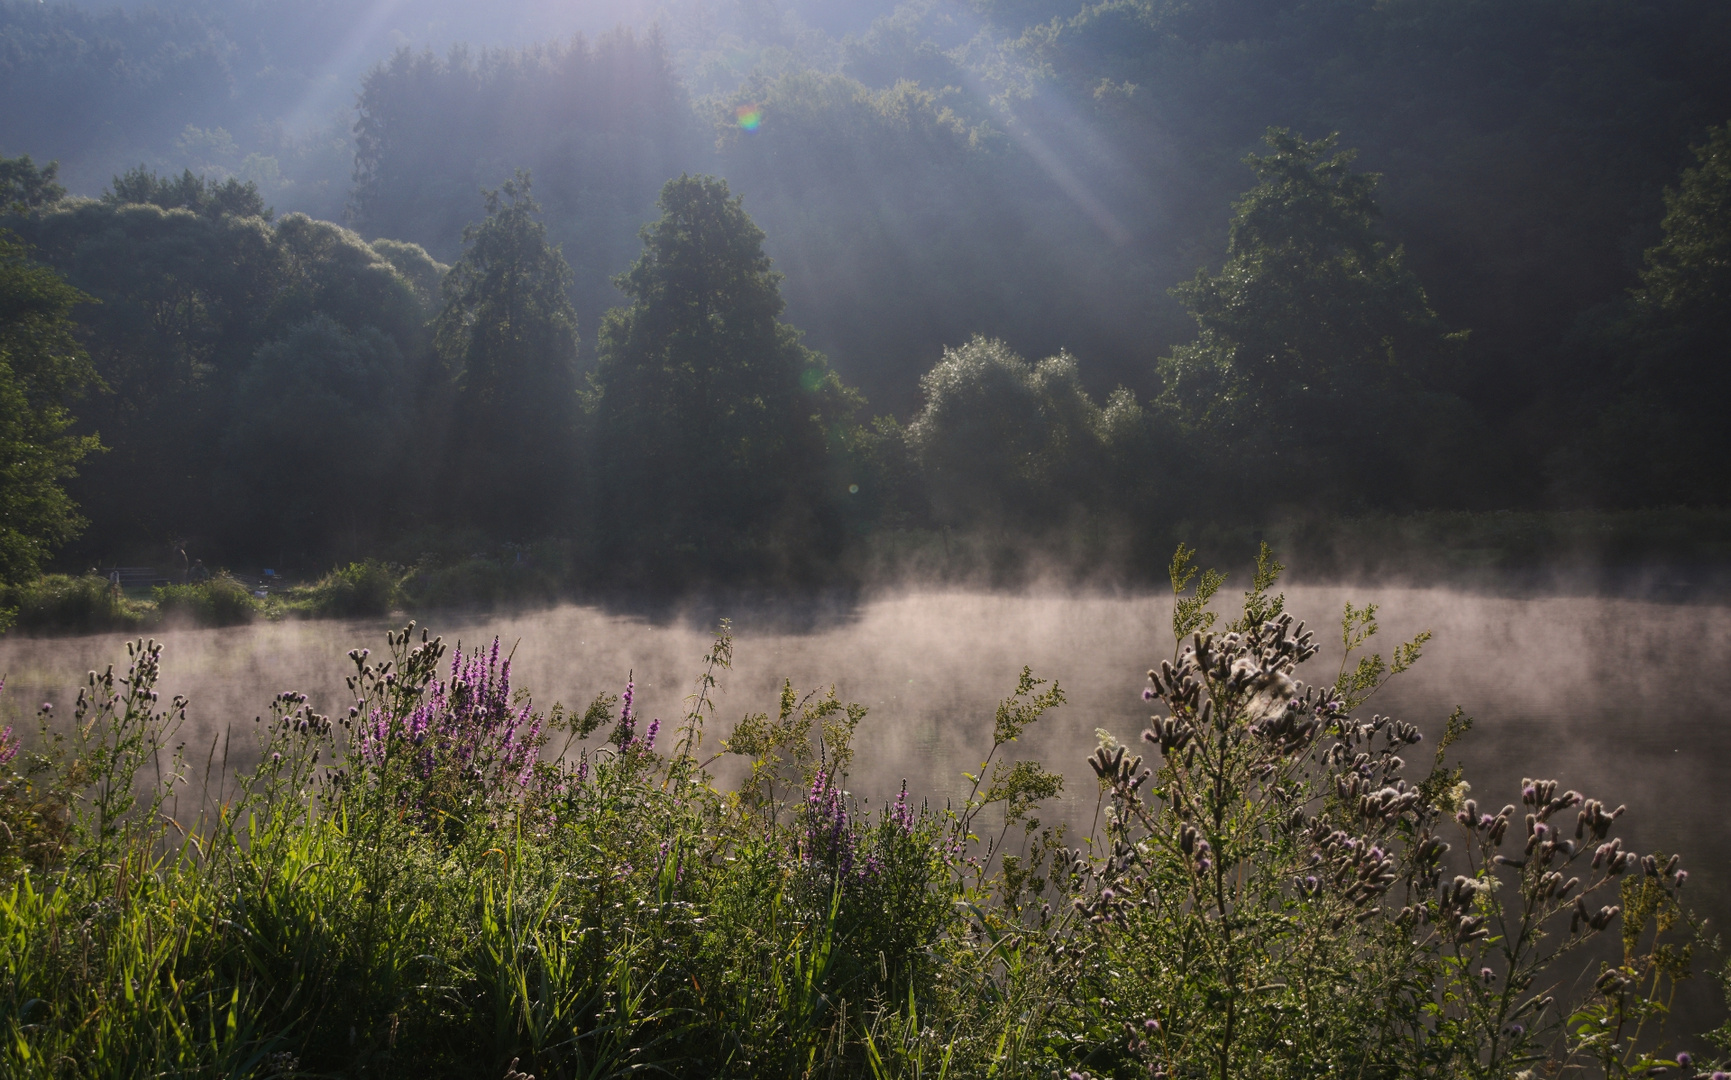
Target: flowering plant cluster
1278,897
464,735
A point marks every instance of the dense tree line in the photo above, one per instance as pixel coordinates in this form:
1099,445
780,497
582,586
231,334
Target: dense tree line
600,128
1505,293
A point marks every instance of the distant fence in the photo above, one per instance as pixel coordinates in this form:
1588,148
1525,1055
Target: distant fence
133,577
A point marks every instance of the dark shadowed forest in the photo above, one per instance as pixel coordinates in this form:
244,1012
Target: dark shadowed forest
654,296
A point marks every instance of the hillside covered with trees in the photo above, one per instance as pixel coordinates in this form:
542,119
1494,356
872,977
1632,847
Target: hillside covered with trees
745,293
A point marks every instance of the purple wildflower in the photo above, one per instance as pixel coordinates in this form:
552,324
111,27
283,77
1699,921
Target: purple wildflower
466,725
829,838
8,745
623,735
903,814
1684,1060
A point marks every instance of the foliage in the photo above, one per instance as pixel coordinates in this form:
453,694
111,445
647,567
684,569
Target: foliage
714,425
1315,340
42,370
1648,427
424,273
62,604
1275,896
999,438
508,336
221,601
207,198
1689,272
200,323
360,589
341,392
600,124
24,186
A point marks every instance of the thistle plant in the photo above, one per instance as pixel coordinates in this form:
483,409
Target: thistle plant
1275,897
118,727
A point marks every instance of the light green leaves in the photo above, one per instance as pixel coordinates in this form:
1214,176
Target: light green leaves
1190,613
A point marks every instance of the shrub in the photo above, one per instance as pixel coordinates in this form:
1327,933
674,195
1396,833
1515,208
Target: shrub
360,589
221,601
61,604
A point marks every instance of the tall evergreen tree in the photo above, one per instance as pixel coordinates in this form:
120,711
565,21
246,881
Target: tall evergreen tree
508,336
42,368
715,426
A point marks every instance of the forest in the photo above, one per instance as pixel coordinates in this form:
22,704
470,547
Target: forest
745,294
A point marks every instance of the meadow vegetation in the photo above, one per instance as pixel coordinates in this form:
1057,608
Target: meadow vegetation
447,879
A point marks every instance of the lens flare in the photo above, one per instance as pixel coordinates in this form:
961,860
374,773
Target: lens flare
750,116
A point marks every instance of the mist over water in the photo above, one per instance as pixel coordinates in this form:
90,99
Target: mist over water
1622,699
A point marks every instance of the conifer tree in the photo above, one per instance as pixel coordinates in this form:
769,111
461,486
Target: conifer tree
714,424
508,335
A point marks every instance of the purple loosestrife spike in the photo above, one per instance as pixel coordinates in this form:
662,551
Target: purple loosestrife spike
903,814
654,729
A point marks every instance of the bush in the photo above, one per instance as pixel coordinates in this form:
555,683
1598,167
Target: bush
221,601
517,575
360,589
445,881
61,604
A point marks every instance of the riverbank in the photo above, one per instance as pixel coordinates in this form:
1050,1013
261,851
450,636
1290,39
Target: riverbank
1673,555
452,876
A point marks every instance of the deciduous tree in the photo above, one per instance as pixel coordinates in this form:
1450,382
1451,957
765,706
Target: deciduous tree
42,369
